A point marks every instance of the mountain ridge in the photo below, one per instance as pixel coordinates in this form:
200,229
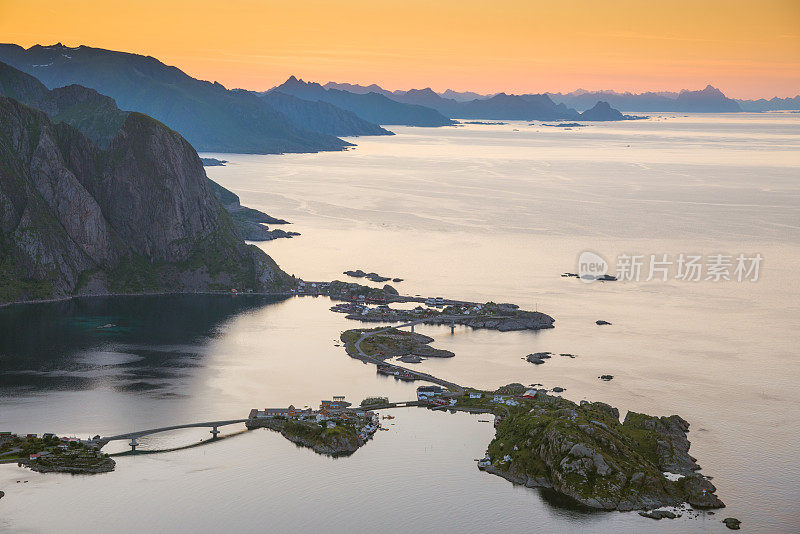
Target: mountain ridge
210,116
707,100
373,107
500,106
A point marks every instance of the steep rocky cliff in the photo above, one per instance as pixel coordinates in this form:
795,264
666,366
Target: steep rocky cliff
136,216
98,117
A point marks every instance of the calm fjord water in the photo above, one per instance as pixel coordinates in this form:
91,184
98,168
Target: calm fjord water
479,212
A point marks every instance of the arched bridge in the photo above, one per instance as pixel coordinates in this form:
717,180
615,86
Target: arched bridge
213,425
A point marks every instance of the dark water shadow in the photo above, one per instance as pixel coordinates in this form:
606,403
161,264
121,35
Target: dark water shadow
130,343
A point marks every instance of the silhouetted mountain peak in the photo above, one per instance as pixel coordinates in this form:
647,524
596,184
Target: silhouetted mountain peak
293,82
709,91
423,92
601,111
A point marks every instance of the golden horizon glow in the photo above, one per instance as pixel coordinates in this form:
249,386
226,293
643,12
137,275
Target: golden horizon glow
747,49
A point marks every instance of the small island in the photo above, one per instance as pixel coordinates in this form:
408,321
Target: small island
409,347
53,454
583,452
566,125
333,430
372,277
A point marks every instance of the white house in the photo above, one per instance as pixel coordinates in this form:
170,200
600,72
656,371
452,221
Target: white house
474,394
428,392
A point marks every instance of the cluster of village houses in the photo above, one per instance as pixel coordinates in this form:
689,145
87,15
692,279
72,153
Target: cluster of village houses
330,413
338,411
435,393
347,293
311,288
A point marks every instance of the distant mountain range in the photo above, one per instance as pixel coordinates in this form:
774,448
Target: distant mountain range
207,114
550,106
299,116
709,100
126,209
501,106
373,107
464,96
773,104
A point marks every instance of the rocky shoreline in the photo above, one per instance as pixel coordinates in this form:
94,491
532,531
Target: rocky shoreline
67,465
340,444
338,447
372,277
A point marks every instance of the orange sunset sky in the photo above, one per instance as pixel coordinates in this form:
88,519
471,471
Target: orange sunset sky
746,48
